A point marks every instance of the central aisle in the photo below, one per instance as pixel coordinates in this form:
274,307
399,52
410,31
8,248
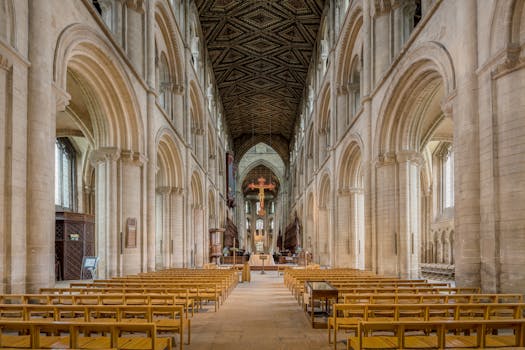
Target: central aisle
261,314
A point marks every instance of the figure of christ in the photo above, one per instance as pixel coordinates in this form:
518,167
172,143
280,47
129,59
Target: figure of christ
261,186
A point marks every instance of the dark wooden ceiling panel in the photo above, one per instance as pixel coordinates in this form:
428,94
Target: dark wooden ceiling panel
260,52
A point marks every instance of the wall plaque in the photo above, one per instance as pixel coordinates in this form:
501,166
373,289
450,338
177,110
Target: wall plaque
131,233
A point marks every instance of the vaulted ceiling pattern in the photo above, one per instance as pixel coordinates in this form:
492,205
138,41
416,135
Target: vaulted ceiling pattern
260,52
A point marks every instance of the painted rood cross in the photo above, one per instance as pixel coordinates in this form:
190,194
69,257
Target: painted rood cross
261,187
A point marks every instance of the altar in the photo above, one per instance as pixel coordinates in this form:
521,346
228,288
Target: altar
255,260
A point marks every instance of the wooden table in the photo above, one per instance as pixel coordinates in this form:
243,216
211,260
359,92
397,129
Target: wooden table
318,290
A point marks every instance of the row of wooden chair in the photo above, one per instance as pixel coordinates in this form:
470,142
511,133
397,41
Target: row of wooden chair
430,298
439,334
348,316
81,335
167,318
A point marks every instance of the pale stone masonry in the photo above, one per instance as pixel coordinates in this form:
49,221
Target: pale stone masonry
396,88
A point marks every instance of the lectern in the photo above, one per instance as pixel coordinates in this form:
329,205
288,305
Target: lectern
262,257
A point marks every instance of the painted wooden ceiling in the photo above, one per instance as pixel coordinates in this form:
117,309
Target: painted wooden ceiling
260,52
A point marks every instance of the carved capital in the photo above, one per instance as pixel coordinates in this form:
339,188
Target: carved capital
385,159
177,89
62,98
135,158
410,156
4,63
342,89
104,154
136,5
164,190
447,105
511,59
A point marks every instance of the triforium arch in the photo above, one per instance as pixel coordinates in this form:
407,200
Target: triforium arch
198,240
507,33
168,202
197,121
113,125
325,135
411,116
350,238
348,75
169,47
324,239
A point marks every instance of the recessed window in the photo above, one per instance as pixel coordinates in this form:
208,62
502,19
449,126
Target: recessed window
64,174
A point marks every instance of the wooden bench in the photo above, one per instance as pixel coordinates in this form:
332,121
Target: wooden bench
347,316
80,335
167,318
438,334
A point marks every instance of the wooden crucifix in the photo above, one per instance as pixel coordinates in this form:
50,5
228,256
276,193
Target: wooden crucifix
261,186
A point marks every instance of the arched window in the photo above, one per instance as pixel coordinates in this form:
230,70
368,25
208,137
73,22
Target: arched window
355,85
165,83
64,174
259,224
448,178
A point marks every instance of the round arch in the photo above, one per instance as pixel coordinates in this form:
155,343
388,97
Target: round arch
169,156
88,56
346,52
428,69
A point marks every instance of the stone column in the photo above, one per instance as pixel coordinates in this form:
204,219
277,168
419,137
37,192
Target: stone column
343,232
409,212
166,193
367,253
385,240
108,236
177,228
151,166
198,233
40,156
5,198
466,152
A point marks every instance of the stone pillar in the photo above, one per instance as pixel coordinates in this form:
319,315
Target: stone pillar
5,198
40,156
343,232
177,228
166,227
367,253
385,241
198,234
151,166
466,153
409,213
108,236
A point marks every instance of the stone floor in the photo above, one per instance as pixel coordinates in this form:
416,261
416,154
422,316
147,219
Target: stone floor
258,315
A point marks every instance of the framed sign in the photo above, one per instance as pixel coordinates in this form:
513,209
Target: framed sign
90,262
131,233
